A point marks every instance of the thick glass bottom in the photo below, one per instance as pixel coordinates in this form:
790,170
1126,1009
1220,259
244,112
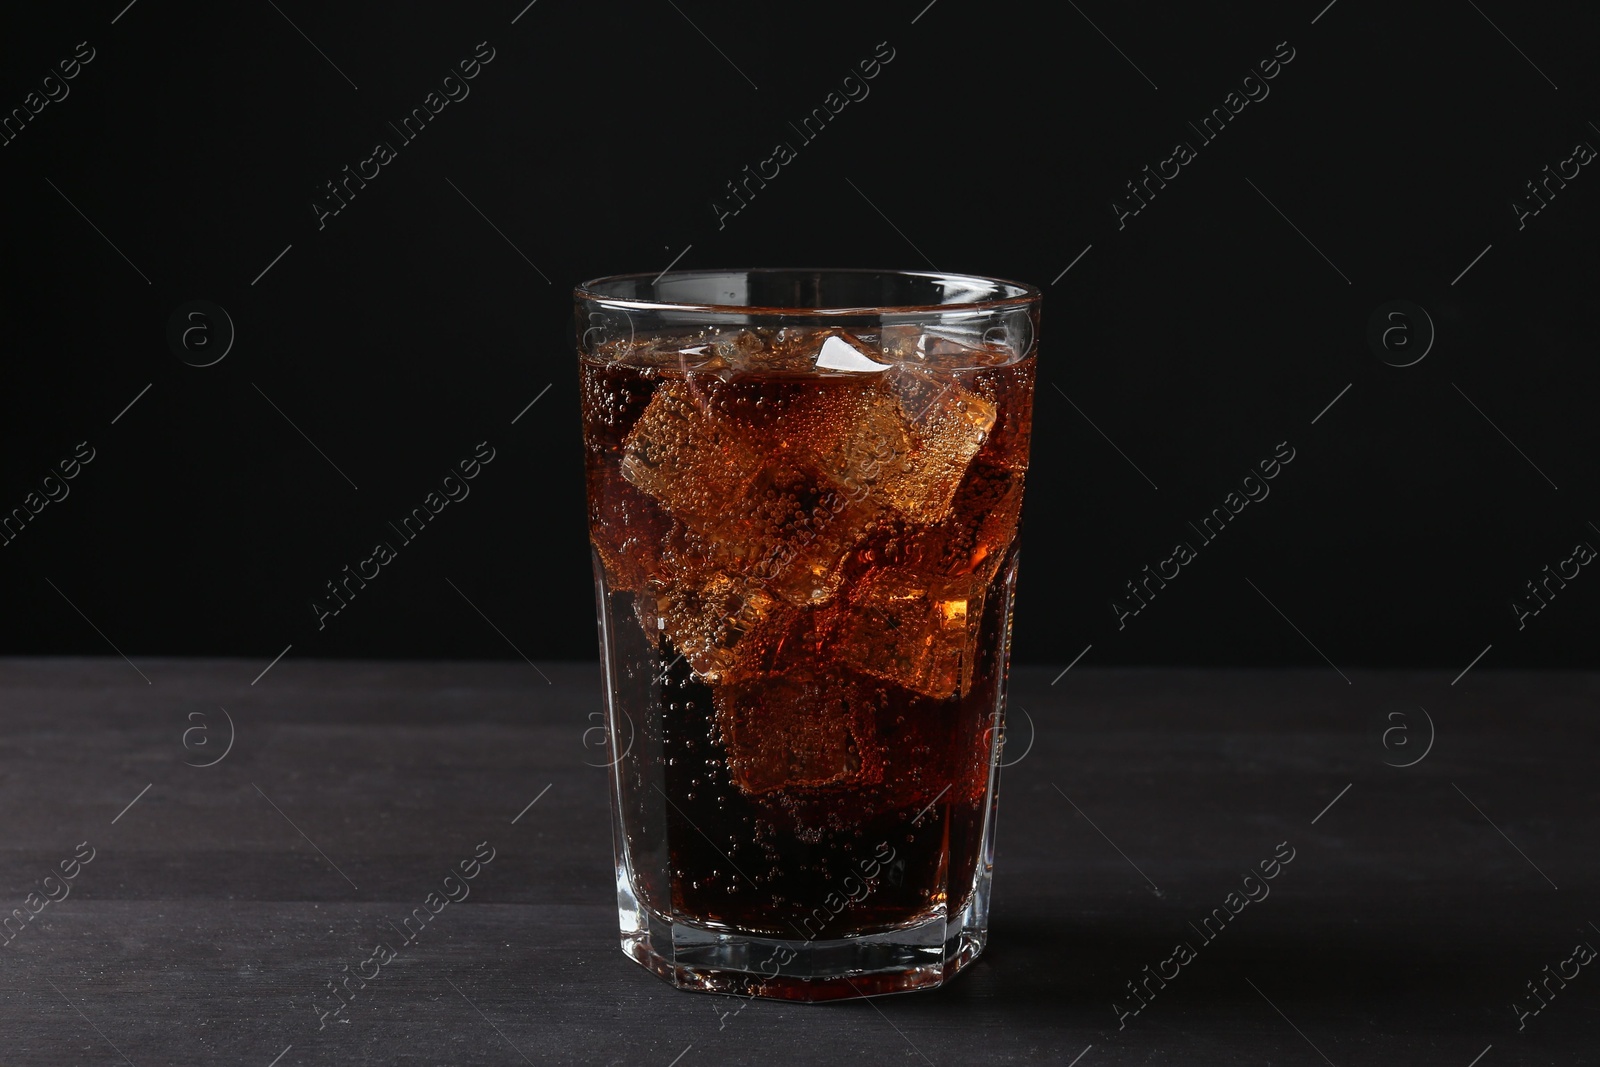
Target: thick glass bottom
923,955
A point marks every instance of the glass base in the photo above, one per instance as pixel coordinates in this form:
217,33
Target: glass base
924,955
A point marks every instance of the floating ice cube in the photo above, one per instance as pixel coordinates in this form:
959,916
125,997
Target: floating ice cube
710,624
692,462
839,352
947,425
916,631
794,731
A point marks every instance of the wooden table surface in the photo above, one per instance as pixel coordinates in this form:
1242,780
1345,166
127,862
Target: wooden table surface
221,900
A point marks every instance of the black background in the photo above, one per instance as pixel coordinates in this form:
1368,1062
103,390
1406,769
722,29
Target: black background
408,329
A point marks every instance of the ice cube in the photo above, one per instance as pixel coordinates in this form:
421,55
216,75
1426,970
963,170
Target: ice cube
958,343
769,514
789,535
710,624
1010,389
777,487
795,731
766,350
901,343
902,441
802,524
981,526
917,631
842,352
950,344
795,349
857,435
947,425
690,460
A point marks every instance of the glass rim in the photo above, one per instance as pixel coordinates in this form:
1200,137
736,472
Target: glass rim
1024,295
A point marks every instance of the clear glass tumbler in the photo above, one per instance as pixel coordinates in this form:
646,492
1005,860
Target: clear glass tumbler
804,488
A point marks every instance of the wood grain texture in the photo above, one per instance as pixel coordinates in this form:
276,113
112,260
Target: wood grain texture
1402,931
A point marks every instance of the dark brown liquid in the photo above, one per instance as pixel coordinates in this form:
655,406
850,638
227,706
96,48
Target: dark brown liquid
807,587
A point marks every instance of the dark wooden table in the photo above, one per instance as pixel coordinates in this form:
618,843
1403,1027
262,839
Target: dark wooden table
220,904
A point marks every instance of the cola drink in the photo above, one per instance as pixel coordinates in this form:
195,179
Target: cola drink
804,541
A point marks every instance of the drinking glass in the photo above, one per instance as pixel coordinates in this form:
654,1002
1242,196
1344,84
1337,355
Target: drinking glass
804,489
